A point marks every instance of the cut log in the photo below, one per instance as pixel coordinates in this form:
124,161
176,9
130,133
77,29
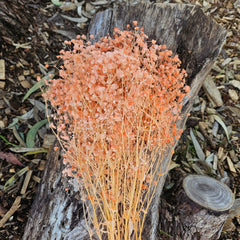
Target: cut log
187,32
200,211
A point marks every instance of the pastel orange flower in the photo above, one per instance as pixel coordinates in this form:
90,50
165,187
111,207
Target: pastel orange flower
116,104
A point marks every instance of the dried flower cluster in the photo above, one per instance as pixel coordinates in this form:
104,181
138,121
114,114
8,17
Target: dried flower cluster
116,103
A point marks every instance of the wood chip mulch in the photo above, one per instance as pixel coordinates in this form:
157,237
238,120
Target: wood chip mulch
41,28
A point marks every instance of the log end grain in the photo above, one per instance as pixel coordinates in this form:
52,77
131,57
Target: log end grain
208,192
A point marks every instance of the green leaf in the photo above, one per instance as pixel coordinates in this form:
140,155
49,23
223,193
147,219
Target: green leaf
57,2
33,131
41,150
6,141
11,181
37,86
25,149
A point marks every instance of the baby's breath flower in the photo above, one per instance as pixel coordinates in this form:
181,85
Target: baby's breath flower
117,102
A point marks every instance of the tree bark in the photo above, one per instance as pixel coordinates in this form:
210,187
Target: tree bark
56,214
57,209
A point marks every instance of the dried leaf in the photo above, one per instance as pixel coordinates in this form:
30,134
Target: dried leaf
10,158
237,4
212,92
215,128
197,146
197,169
39,105
68,6
217,68
226,61
209,159
220,121
235,111
68,34
28,115
18,137
22,45
77,20
99,3
173,165
235,83
25,116
233,95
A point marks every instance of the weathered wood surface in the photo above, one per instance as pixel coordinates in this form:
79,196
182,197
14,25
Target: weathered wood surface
55,211
187,32
201,207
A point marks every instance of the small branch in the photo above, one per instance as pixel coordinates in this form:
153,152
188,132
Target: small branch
12,210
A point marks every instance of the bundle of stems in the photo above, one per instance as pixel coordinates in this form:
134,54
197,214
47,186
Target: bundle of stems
116,104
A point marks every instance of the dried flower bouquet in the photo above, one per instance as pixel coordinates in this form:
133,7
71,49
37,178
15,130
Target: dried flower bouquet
117,102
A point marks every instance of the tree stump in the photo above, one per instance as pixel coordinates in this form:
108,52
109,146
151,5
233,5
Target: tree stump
56,214
200,210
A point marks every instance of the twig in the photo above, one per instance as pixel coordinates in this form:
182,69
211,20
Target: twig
26,182
12,210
